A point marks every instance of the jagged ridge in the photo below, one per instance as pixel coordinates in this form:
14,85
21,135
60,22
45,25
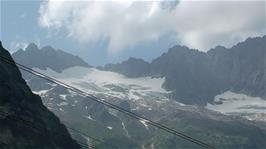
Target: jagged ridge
196,77
57,60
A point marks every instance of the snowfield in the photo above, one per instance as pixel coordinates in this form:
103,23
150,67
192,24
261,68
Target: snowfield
147,92
97,81
230,103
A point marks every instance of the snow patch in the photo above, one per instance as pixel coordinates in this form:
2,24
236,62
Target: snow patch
124,128
89,117
239,104
144,122
41,92
63,97
62,104
233,102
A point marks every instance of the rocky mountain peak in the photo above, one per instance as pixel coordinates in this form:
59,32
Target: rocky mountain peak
31,47
47,57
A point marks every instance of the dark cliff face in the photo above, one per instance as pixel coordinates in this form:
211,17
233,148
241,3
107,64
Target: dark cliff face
47,57
242,67
24,121
186,74
196,77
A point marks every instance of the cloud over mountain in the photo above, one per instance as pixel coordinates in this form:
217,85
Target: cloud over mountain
197,24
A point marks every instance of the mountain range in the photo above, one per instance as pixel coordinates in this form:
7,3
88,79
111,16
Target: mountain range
174,89
192,76
196,77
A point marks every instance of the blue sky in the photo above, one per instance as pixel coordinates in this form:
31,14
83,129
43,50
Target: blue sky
19,24
110,32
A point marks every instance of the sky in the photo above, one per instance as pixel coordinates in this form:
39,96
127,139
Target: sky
102,32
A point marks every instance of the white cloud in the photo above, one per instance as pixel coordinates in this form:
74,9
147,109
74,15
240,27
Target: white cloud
18,45
198,24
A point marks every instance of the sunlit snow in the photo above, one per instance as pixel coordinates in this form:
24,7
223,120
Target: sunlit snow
239,104
63,97
89,117
62,104
144,123
114,84
41,92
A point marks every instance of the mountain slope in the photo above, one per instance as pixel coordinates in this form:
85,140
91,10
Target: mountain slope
24,121
47,57
196,77
243,66
145,97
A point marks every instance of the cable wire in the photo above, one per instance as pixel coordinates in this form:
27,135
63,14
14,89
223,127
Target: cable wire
108,104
